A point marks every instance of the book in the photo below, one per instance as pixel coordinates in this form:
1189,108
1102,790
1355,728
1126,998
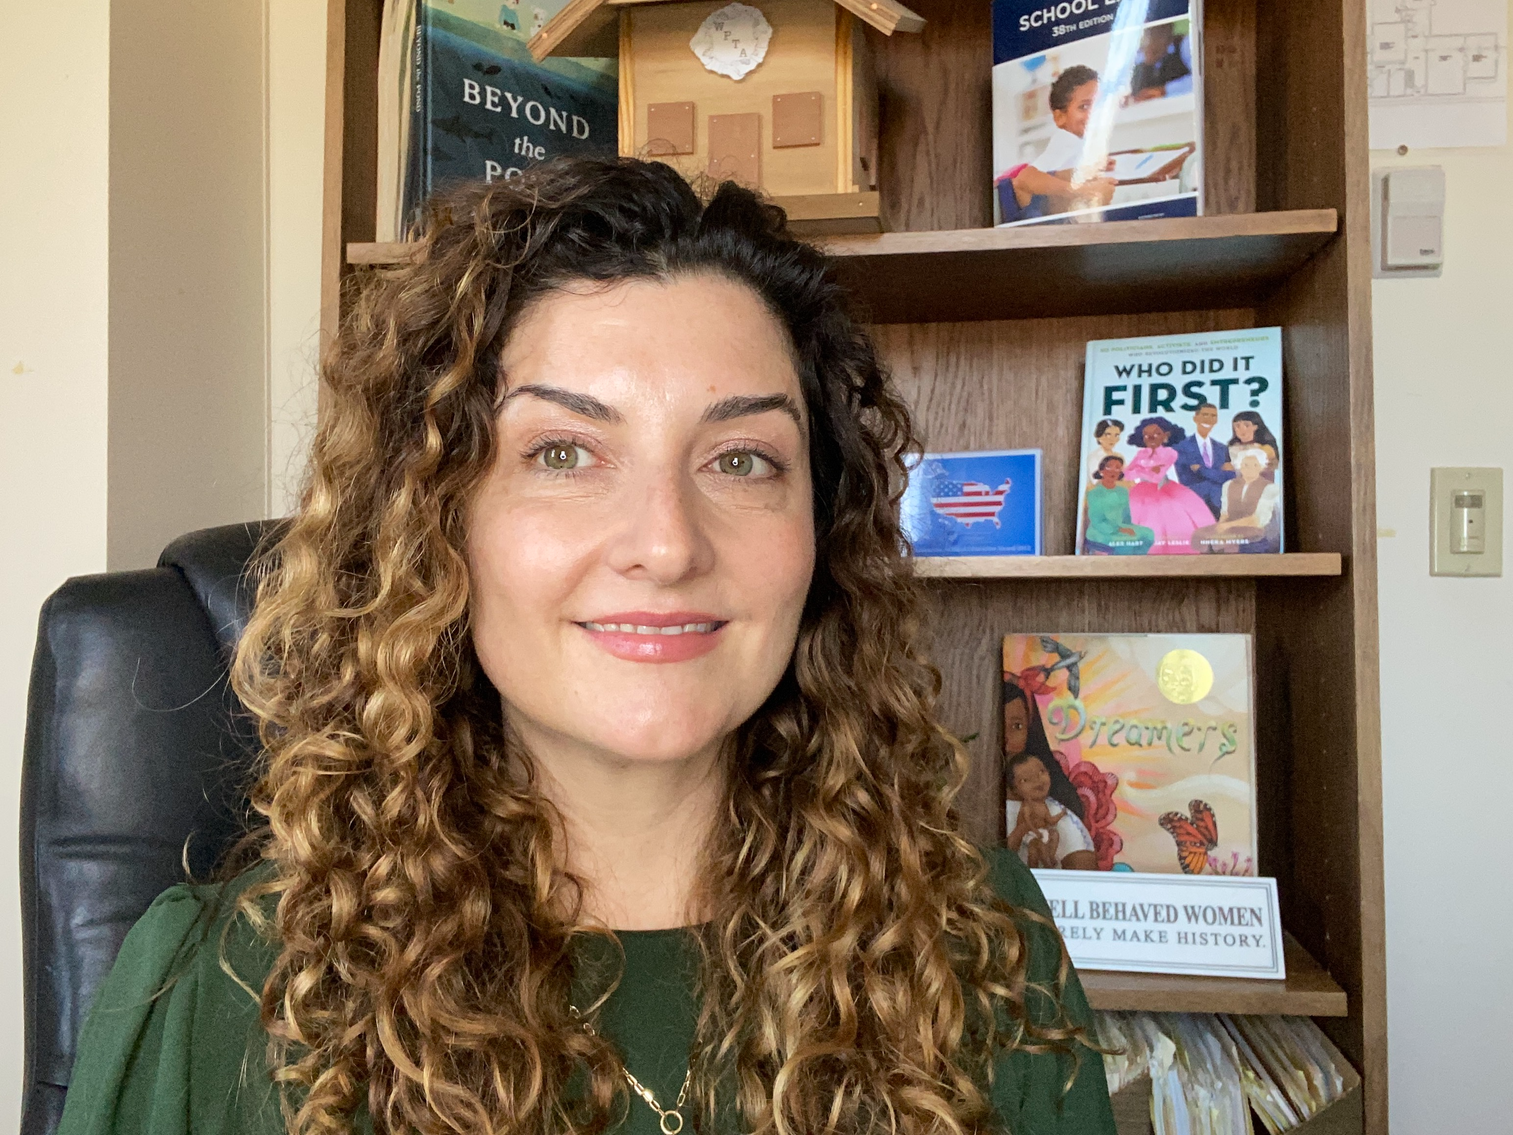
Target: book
473,105
1182,445
1097,110
1130,752
984,503
396,57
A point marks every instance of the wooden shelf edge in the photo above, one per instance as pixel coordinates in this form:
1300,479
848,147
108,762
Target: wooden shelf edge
1309,991
1322,223
386,252
1127,567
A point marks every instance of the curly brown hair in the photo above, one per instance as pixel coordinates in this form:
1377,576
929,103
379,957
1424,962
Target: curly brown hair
858,970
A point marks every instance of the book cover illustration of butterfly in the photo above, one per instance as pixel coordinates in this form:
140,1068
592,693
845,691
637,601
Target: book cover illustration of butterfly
1130,752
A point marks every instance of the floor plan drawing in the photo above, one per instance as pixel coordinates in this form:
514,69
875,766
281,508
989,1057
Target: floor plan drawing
1438,72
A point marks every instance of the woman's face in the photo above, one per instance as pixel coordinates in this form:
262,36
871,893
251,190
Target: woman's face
1110,472
1032,783
1016,727
1154,437
1110,438
1245,431
641,551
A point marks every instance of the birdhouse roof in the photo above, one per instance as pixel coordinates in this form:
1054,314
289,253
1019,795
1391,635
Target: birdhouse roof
590,27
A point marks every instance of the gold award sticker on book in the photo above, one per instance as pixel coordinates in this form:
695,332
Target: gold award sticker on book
1185,677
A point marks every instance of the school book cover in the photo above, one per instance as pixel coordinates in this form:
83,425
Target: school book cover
1182,445
1097,110
482,108
1130,752
982,503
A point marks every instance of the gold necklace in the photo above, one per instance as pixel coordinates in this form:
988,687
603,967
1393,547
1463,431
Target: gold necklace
669,1119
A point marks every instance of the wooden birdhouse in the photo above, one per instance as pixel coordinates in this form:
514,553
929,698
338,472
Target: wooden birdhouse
776,94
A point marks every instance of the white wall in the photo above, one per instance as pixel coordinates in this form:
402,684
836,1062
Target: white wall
1444,396
77,347
54,138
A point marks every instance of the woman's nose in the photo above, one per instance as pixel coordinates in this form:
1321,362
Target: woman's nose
662,534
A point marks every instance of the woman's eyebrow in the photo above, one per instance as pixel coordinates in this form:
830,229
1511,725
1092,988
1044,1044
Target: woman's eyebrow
743,405
584,405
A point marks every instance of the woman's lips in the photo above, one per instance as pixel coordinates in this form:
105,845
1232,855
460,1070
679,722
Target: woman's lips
642,636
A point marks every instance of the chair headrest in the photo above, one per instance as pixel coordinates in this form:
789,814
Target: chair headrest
214,562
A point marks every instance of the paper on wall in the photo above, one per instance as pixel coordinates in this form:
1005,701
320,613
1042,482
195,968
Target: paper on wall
1438,71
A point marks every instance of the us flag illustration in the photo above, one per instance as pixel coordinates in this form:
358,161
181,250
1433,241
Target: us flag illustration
971,501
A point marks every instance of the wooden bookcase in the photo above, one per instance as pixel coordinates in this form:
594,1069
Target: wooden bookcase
985,330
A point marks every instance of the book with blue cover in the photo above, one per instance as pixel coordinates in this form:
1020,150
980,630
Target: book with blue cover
983,503
1097,110
475,104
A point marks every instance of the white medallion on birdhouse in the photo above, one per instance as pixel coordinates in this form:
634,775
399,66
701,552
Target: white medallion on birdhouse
732,41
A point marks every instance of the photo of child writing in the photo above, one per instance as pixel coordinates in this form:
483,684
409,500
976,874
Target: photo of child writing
1097,121
1049,177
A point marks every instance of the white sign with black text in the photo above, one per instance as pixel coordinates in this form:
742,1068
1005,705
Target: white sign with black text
1208,925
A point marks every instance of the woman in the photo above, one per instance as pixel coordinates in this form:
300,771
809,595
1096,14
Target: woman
1250,429
1249,506
1045,817
1106,433
1111,530
603,789
1158,501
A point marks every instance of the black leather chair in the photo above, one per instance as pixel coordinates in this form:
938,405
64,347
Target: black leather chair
136,762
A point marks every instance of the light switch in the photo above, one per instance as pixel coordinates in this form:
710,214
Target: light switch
1465,519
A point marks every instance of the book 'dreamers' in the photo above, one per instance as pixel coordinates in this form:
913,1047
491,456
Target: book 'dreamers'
1182,445
1097,110
1130,753
461,99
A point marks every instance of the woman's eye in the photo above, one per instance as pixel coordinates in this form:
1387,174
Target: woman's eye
563,456
743,463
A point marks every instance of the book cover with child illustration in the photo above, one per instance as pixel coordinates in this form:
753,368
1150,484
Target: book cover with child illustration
1097,110
1130,752
1182,445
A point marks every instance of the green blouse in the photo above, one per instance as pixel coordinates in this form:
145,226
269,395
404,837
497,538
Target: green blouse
173,1045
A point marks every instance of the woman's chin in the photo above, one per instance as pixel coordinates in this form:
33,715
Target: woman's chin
660,747
666,735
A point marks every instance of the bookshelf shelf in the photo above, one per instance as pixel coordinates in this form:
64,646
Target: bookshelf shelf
1308,990
1128,567
964,275
1051,270
368,254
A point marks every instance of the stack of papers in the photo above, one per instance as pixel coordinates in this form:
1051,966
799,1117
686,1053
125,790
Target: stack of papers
1209,1071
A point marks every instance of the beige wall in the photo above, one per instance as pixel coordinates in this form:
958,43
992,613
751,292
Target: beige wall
54,138
159,286
296,145
188,376
1444,397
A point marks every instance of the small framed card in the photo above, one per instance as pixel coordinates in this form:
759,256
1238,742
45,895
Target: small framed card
982,503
